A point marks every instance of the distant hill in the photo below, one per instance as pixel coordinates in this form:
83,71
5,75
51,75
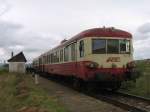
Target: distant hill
146,61
143,65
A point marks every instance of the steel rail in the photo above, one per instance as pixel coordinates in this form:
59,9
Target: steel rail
134,96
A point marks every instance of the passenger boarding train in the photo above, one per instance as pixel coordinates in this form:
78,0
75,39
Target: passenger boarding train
102,56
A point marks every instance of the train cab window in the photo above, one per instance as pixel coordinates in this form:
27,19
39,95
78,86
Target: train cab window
98,46
113,46
66,53
73,52
81,48
124,46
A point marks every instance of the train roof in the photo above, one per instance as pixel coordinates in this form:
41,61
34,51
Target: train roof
104,32
97,32
100,32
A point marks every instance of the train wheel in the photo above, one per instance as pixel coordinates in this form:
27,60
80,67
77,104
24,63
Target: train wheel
115,87
90,87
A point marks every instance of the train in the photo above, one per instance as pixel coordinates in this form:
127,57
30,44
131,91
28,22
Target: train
99,56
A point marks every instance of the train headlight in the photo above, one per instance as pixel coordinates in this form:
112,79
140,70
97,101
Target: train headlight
131,64
92,65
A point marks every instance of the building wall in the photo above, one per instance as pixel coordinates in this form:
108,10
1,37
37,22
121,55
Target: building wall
17,67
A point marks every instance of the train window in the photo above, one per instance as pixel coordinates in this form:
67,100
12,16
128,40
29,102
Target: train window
124,46
57,56
81,48
98,46
113,46
46,59
66,53
51,60
39,61
73,52
61,55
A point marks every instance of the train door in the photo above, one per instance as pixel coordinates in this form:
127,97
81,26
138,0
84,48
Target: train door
74,57
80,55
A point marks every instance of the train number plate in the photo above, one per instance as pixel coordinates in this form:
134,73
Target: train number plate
113,59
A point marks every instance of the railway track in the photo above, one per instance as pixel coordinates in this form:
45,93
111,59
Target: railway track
125,101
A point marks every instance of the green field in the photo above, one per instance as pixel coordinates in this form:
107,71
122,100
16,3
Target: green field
3,68
142,85
19,94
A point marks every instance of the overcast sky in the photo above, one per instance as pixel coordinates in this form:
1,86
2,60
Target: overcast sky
34,26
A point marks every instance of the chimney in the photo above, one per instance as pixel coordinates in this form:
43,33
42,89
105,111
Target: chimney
12,54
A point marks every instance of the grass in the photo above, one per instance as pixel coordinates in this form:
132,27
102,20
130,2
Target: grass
3,70
142,85
19,93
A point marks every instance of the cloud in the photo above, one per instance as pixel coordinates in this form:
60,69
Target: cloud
4,7
2,51
142,32
8,33
13,37
56,20
141,49
142,41
145,28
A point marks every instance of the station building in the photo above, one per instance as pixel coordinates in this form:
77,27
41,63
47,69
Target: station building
17,63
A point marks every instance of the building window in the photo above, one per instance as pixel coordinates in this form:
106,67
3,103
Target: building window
98,46
73,52
113,46
81,48
66,53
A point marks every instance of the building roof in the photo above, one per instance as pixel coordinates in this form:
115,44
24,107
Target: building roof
18,58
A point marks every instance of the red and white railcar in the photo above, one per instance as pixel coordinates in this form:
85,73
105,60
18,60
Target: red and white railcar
101,55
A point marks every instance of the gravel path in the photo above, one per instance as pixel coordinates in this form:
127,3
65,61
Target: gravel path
75,101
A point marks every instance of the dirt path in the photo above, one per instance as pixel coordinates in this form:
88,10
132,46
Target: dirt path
75,101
